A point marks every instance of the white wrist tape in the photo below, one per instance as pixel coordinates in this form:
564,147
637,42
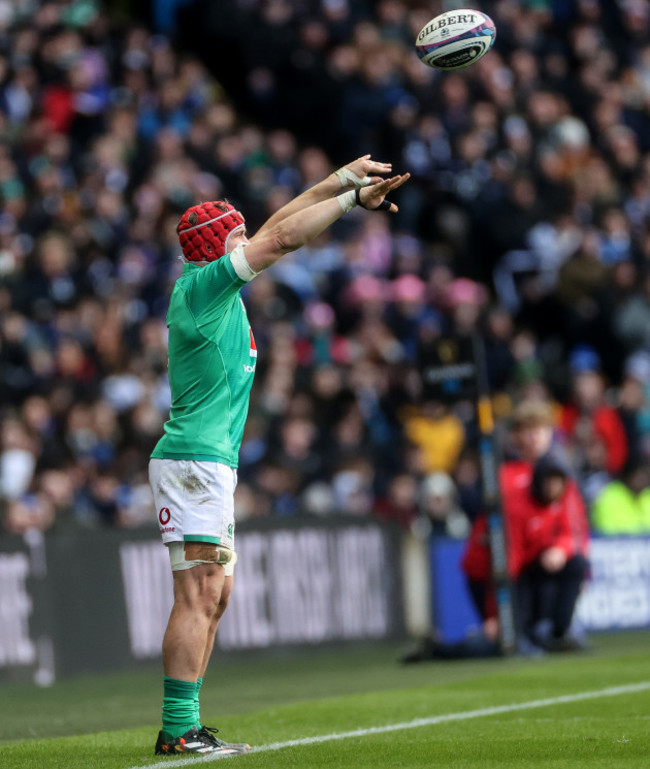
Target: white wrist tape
347,201
240,264
345,176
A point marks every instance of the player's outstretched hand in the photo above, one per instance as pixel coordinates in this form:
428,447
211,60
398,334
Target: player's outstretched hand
360,172
373,197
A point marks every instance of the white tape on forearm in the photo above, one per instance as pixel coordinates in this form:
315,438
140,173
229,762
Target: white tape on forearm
347,201
345,176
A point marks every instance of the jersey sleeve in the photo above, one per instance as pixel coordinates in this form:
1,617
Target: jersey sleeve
216,286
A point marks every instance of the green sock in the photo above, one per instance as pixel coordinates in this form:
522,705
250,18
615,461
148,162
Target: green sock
199,684
179,709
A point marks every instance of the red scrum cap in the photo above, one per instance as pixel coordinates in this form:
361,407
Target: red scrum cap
204,230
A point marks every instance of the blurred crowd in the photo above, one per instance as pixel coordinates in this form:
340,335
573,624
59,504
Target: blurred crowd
528,217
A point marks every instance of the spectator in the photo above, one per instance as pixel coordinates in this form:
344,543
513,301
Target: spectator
352,485
533,440
623,506
544,557
633,402
32,511
544,560
17,460
438,432
531,171
587,416
439,507
468,482
536,518
400,504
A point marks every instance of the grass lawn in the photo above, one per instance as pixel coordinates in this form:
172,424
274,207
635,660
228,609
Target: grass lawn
112,721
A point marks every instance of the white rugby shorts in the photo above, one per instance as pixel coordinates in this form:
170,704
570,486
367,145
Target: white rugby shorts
194,500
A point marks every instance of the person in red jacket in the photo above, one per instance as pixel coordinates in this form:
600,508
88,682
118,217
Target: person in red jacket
545,559
547,537
588,417
533,437
546,527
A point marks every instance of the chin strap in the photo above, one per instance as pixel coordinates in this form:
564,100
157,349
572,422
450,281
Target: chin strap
383,206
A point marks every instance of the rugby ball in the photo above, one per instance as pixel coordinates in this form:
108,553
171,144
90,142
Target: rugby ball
455,39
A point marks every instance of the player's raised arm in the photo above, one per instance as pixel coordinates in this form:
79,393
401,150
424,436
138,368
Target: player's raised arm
361,172
296,230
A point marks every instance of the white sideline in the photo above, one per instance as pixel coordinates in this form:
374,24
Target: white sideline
611,691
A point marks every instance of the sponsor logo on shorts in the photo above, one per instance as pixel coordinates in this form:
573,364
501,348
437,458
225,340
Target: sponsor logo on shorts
164,516
164,529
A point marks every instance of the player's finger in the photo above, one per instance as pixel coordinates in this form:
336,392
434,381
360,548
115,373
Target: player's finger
397,181
385,185
379,191
390,184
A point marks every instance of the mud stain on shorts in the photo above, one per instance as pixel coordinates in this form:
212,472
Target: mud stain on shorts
192,484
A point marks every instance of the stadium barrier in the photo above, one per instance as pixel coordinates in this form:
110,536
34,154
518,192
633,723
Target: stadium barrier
92,601
616,596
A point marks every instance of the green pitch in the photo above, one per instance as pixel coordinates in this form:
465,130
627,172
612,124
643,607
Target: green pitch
472,715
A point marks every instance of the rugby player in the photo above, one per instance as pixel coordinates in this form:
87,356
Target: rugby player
193,469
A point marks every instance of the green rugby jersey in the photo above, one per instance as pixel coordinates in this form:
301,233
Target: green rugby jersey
212,357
